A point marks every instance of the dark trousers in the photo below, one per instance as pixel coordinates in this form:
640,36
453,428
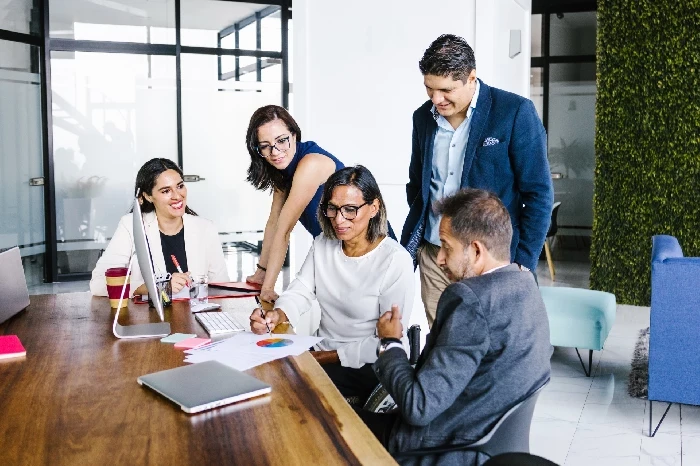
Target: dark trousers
352,382
379,423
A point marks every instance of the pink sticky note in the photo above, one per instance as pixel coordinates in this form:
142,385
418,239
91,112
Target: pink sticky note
192,343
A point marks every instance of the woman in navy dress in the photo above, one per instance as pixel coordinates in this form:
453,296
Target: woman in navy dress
295,172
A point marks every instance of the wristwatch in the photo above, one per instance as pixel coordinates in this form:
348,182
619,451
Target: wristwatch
384,344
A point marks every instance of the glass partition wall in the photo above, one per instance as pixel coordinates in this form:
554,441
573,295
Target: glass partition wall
21,140
126,81
563,88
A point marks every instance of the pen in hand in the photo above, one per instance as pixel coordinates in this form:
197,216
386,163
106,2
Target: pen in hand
263,314
177,266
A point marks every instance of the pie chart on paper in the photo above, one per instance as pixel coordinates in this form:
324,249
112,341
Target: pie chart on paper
274,342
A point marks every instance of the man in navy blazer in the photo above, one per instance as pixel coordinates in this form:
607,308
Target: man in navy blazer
472,135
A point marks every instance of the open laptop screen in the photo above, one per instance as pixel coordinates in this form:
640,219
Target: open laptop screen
14,296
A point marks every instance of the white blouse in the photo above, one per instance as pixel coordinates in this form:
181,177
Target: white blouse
352,293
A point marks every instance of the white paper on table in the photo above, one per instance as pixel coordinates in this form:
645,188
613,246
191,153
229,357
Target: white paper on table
240,363
242,352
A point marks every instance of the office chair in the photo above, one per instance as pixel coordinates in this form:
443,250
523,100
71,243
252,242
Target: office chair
511,434
519,459
550,234
380,401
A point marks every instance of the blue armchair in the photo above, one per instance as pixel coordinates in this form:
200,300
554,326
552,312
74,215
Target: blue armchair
674,335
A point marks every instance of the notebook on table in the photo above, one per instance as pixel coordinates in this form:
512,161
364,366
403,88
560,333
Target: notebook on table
204,385
11,347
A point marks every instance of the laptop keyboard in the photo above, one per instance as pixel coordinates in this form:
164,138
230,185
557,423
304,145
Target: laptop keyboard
217,323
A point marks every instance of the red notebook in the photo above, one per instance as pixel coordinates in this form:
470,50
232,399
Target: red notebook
237,286
11,347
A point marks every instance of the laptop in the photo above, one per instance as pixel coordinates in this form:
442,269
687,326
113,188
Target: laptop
204,385
14,295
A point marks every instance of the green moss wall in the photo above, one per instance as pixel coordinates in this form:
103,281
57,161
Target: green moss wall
647,174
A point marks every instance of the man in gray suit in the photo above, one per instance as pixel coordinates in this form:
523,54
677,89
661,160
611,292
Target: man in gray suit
488,348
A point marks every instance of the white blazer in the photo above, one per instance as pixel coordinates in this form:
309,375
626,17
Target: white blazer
202,246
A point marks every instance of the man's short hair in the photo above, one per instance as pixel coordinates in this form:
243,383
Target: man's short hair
448,55
478,215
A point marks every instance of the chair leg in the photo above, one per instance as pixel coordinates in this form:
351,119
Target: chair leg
548,253
590,362
662,419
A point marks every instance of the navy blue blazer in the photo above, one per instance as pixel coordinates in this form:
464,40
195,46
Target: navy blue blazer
515,169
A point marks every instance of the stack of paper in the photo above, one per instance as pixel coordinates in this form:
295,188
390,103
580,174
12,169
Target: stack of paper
245,350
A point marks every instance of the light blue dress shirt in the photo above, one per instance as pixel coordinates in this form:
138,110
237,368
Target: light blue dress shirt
449,148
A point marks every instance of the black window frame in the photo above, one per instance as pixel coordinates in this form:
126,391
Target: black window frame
40,37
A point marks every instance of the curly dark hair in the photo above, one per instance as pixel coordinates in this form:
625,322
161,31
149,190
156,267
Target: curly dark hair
448,55
261,174
146,180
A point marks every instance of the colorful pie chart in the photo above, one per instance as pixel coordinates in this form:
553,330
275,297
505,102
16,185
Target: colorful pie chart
274,342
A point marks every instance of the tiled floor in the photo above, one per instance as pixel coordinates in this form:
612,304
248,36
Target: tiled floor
593,421
578,420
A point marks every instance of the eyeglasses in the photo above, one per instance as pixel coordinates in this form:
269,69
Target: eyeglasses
348,212
282,144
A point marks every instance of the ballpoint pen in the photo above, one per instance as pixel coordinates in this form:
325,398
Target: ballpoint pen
263,314
177,266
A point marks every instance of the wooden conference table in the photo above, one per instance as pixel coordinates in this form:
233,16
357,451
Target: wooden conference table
74,398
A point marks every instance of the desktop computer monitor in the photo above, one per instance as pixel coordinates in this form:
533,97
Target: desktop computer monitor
145,261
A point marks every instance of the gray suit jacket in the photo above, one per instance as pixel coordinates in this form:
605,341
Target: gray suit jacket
487,351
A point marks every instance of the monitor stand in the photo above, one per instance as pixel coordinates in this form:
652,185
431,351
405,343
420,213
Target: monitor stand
159,329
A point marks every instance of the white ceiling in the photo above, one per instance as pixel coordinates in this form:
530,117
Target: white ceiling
196,14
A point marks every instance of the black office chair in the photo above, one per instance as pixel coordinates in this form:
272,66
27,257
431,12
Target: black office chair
511,434
380,401
518,459
550,234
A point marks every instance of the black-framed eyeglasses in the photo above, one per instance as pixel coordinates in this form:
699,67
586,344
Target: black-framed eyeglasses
281,145
349,212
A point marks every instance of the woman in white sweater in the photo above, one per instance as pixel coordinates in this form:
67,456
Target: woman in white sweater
356,272
172,229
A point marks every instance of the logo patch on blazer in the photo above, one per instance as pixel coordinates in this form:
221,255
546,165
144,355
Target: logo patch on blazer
490,142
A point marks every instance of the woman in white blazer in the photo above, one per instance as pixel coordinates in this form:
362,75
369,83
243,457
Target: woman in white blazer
172,228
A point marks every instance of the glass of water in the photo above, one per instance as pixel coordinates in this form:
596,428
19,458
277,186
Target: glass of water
199,290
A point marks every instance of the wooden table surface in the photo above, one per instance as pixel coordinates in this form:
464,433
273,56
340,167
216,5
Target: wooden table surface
74,398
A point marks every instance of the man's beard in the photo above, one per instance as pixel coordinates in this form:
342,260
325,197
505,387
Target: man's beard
466,270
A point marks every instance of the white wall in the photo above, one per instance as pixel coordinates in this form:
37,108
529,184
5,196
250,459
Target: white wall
494,21
357,83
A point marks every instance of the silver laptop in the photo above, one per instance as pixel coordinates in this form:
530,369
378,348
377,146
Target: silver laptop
14,295
204,385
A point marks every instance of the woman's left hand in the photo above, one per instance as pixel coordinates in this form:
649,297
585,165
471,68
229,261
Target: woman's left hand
179,281
325,357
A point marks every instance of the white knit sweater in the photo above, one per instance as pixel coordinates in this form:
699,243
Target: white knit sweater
352,293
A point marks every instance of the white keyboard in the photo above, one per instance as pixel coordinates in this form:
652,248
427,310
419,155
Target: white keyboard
217,323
